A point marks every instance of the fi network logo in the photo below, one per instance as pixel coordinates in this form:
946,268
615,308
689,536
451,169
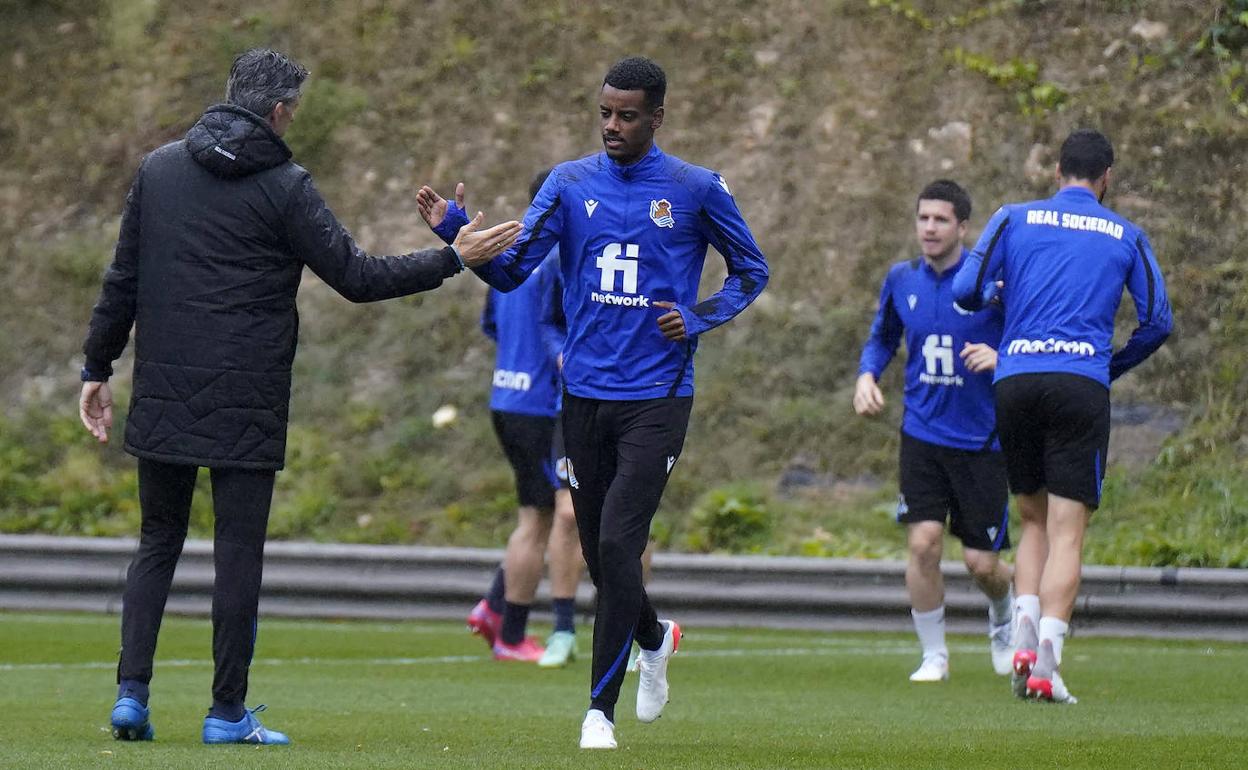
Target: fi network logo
938,361
619,260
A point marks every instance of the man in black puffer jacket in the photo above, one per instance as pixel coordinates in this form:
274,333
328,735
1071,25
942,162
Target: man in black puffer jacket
216,231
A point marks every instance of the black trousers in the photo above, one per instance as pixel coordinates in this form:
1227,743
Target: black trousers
241,500
619,456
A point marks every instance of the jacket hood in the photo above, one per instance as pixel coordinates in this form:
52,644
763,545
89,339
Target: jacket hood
232,142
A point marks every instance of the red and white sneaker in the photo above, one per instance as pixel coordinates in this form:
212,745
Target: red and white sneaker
1026,641
527,651
1045,683
485,622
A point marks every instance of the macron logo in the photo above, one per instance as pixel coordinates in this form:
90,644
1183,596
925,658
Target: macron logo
723,183
670,462
1051,345
510,380
590,207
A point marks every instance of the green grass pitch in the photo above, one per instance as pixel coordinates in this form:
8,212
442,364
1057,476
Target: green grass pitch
402,695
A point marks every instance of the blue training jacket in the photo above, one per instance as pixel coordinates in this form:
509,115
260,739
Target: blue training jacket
529,327
1065,261
629,236
945,403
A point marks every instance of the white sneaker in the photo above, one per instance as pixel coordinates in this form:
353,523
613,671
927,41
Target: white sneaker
934,668
1045,683
596,731
1001,644
652,670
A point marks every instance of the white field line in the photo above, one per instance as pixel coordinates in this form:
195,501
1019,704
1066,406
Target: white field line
783,652
717,636
774,652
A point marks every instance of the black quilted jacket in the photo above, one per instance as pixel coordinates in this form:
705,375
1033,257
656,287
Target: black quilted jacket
216,231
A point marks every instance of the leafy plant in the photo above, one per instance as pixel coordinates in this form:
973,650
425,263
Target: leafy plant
1225,41
730,519
1021,77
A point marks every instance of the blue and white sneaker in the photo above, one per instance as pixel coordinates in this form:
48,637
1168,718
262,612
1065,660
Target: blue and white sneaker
246,730
131,721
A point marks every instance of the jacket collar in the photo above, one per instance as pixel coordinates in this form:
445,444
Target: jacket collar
639,170
1076,191
951,271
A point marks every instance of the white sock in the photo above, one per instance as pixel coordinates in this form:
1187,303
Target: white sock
1001,611
1055,631
1029,605
930,626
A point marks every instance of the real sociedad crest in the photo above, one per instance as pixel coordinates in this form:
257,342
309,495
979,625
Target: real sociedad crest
661,213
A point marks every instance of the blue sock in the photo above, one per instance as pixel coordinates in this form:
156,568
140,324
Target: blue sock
515,621
230,712
494,597
133,688
565,614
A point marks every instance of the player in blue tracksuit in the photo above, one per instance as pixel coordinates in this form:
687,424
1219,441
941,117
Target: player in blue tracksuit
1064,262
529,328
951,466
632,225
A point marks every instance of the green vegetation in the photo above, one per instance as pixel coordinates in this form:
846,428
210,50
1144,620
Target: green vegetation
369,695
1034,96
1225,40
825,118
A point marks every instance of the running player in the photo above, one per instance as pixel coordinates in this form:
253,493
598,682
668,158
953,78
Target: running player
632,225
951,465
1064,262
528,326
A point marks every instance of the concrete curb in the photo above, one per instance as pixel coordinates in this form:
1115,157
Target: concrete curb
40,572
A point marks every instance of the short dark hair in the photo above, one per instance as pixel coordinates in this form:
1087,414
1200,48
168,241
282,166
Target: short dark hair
539,179
951,191
637,73
1086,154
262,77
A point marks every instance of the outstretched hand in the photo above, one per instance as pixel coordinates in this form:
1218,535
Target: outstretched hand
476,246
433,207
671,323
95,409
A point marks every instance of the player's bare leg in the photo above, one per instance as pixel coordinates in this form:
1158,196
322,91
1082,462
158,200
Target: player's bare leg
565,567
993,578
926,586
1059,587
1029,559
522,564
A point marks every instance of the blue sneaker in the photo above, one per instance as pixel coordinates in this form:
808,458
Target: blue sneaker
130,721
246,730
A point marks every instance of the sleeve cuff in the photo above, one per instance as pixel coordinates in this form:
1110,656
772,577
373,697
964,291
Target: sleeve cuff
694,325
94,371
455,264
454,219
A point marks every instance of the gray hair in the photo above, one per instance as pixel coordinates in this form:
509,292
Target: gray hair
262,77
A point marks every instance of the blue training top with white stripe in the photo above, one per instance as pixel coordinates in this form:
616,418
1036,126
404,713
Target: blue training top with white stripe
1065,261
630,236
945,403
529,327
